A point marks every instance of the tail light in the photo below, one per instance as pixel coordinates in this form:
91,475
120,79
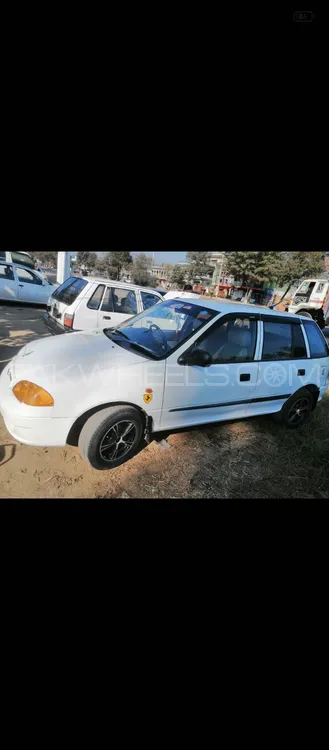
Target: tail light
68,320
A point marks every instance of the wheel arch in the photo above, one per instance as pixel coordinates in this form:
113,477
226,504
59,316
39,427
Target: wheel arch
74,433
315,393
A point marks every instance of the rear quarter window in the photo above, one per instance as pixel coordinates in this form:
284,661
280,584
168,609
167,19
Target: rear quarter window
316,340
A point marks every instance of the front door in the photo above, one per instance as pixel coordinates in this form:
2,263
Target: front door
8,283
30,287
118,304
198,395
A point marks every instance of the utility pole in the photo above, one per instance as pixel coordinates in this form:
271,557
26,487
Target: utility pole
220,274
63,266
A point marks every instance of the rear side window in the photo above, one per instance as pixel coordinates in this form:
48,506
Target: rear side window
96,298
70,290
277,341
6,272
317,342
107,305
124,301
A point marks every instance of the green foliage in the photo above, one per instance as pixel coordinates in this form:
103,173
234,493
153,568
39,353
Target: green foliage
198,264
47,257
119,259
141,271
87,259
177,276
280,266
103,267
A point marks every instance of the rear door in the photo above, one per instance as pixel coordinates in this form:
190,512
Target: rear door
87,306
8,282
118,304
284,364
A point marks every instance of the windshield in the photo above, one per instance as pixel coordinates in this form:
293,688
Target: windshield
162,328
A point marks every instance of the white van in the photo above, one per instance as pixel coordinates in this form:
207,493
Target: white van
177,364
311,297
85,302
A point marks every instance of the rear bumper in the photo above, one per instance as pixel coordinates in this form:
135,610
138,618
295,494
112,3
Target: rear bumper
54,327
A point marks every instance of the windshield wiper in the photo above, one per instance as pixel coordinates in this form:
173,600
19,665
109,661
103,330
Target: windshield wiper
118,333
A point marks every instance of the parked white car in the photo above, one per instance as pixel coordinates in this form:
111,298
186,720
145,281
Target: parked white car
175,365
85,302
21,284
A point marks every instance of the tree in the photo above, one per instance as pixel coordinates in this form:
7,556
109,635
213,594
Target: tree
141,272
103,267
48,257
177,276
282,267
120,259
86,259
198,264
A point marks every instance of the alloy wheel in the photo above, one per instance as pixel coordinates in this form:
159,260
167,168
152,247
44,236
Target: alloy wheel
118,441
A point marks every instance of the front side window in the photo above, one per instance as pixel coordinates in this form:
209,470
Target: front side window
231,341
27,277
7,273
162,328
149,300
320,288
316,340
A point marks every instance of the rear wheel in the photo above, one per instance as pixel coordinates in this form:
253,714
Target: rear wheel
305,314
296,410
111,437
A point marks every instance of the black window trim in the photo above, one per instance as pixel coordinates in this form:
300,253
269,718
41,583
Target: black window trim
277,319
95,309
222,320
108,286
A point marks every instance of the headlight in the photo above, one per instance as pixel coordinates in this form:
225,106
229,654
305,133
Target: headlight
32,394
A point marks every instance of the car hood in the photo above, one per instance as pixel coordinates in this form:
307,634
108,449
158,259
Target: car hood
72,352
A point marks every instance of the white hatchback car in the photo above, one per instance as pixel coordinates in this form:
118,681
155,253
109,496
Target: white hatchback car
178,364
21,284
85,302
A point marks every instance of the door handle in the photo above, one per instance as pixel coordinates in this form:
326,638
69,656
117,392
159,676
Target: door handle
244,378
301,372
21,285
106,317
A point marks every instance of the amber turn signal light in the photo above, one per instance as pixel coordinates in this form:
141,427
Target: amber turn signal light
32,394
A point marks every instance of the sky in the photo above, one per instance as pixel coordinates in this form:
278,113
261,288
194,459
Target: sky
165,256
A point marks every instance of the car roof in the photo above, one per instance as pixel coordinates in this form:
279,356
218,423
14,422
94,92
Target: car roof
226,306
124,284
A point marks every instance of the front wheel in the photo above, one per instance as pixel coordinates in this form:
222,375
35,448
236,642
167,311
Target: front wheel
111,437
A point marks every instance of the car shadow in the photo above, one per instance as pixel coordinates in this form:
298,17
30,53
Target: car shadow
3,453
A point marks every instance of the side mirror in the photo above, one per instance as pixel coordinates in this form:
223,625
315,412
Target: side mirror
196,357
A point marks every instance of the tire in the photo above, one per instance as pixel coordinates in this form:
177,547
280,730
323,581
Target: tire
111,425
302,400
305,314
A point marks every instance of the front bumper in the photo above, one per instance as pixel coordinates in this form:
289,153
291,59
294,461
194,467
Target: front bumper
31,430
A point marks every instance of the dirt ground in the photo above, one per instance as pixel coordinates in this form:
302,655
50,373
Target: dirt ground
253,458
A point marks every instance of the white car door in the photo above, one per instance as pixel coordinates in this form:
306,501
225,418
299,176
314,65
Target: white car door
8,283
284,365
31,287
118,304
224,390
